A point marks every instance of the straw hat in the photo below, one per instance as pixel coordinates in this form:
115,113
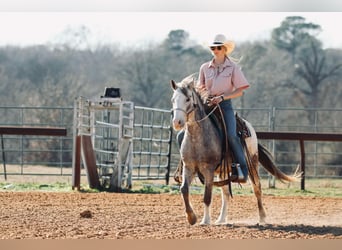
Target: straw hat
220,40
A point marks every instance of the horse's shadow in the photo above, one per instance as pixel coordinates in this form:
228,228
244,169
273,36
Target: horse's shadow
300,228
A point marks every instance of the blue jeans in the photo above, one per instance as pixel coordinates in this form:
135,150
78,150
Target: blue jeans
229,117
233,139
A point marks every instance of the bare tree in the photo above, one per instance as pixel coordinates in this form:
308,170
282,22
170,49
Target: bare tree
314,70
292,32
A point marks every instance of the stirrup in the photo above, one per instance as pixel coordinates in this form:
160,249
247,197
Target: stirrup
177,176
237,175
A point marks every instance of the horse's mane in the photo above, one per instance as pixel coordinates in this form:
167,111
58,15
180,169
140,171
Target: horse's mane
201,94
189,82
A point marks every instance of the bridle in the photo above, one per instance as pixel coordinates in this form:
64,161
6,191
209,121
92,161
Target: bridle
186,112
194,106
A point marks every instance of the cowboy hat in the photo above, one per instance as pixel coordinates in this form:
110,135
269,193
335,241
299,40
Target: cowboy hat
220,40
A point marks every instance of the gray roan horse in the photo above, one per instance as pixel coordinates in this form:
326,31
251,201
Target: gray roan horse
201,153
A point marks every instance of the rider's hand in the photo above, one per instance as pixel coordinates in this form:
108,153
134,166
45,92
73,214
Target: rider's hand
215,100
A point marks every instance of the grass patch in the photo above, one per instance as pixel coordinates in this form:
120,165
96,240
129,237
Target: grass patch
58,186
314,187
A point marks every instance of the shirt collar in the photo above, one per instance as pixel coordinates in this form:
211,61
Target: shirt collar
227,63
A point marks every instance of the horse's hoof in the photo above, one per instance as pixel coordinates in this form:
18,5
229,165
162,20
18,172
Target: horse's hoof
192,218
262,221
177,179
220,222
205,223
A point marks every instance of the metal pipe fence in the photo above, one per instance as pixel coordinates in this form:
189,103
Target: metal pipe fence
152,144
23,151
155,150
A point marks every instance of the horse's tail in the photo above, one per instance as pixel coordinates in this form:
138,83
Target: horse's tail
267,161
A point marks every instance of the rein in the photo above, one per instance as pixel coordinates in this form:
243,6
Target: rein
209,114
193,109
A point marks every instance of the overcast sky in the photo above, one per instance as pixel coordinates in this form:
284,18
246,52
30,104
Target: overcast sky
27,28
40,22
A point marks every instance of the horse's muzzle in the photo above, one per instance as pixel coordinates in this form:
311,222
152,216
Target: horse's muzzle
177,124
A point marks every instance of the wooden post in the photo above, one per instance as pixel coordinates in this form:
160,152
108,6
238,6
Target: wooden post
89,161
3,156
302,164
76,168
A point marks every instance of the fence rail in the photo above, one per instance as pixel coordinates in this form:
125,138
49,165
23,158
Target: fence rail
301,137
15,130
156,157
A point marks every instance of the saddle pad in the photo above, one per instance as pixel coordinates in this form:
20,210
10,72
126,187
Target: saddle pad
241,128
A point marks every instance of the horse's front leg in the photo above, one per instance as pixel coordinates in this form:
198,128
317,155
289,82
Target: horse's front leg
222,219
187,178
209,178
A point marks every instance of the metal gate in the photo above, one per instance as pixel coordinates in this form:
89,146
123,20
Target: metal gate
103,139
152,144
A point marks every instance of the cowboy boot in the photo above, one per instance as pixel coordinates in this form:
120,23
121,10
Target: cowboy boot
236,173
239,156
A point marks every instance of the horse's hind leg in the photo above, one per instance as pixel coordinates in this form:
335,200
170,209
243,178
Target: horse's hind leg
258,195
257,190
187,178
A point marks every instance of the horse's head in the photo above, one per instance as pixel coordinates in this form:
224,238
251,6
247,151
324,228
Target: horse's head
184,101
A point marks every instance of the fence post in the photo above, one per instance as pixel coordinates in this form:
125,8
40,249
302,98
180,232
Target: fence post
168,168
302,164
271,178
76,167
3,156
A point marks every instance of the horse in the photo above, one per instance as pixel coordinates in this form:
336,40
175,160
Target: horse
201,153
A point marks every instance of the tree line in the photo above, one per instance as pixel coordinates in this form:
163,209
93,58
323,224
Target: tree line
291,69
292,63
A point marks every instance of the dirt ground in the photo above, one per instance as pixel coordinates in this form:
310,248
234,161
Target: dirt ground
77,215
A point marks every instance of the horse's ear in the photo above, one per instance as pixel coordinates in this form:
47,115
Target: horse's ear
192,83
173,84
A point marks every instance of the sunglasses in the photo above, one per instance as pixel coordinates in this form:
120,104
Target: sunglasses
216,47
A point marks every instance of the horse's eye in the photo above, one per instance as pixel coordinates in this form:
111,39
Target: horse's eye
187,99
